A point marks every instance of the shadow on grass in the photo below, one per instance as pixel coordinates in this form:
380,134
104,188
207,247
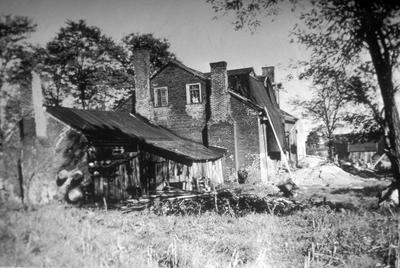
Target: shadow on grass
365,173
368,191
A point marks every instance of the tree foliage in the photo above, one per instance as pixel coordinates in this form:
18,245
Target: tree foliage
159,49
15,52
98,73
326,108
84,63
16,62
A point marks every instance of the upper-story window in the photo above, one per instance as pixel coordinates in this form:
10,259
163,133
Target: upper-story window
160,96
193,93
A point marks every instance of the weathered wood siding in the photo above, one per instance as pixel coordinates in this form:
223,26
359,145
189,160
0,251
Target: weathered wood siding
151,173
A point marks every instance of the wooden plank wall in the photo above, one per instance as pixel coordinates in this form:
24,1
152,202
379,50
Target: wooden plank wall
115,187
363,147
163,172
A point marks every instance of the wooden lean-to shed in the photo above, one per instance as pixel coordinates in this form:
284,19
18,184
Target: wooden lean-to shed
128,156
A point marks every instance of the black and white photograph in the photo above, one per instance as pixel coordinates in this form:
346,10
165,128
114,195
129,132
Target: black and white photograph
200,133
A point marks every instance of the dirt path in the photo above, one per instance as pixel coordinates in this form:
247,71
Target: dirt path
327,182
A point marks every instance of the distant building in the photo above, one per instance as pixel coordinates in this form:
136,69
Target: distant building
295,137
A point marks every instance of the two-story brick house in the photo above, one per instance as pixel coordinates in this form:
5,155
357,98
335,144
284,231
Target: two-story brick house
222,108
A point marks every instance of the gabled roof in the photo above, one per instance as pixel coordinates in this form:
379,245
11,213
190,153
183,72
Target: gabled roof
116,128
182,66
240,71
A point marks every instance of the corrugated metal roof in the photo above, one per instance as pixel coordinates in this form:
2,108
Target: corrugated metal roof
124,128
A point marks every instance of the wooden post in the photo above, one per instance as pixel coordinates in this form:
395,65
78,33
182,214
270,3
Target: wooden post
20,179
279,143
105,203
235,138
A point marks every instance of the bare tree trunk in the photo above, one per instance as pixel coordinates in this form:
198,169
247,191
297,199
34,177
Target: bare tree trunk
392,119
330,150
393,122
20,179
381,59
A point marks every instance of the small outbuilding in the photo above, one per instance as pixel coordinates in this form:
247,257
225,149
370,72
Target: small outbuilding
128,156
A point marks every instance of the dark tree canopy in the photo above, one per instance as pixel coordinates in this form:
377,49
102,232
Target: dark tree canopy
84,63
16,63
15,52
159,48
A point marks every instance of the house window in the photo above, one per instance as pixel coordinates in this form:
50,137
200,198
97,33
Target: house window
193,93
160,96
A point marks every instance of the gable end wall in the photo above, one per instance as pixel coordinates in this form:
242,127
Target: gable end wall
186,120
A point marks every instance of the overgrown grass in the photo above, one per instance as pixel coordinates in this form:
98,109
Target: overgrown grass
63,236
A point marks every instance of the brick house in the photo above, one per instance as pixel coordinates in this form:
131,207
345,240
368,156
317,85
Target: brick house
222,108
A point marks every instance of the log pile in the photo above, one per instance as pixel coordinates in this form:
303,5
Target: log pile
69,183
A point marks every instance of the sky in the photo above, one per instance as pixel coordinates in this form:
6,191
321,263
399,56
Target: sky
196,36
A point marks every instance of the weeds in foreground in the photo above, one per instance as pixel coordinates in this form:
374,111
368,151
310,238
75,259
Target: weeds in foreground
350,239
314,237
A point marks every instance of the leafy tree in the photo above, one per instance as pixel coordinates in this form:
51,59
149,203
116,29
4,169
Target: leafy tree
325,107
339,34
359,92
16,62
85,64
159,49
363,92
15,51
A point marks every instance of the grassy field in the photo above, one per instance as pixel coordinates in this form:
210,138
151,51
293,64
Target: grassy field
64,236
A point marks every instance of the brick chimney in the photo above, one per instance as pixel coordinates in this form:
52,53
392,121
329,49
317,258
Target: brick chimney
269,71
33,121
143,103
219,97
38,109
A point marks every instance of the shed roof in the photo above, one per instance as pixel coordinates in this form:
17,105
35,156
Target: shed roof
117,128
264,97
288,117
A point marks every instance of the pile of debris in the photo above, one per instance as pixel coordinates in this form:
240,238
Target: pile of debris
226,202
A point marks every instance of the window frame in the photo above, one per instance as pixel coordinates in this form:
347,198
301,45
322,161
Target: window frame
156,91
188,93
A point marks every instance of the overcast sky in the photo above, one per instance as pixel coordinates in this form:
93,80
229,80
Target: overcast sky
195,36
